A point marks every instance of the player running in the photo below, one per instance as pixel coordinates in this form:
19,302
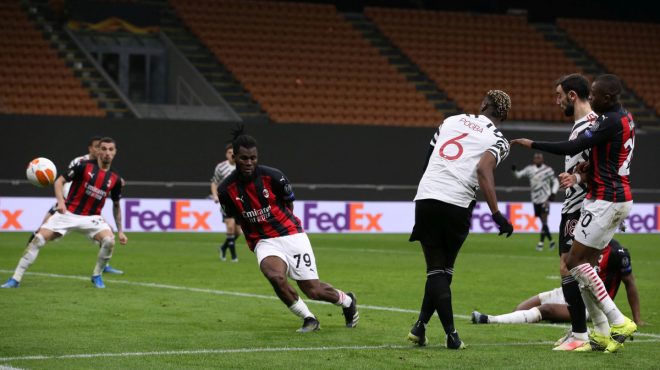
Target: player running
608,202
222,170
261,199
614,267
461,159
92,182
544,186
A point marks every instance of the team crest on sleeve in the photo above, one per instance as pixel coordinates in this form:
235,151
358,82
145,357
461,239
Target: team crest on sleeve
625,262
266,193
288,189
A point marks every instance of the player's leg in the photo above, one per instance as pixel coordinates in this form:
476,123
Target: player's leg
302,269
526,312
274,269
441,229
224,245
106,240
570,287
41,237
231,238
594,230
538,212
48,214
554,312
320,291
544,226
530,302
274,263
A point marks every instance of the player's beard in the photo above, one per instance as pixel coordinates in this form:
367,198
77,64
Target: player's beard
569,111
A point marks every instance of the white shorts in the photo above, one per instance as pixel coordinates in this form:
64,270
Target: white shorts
599,221
295,250
62,223
555,296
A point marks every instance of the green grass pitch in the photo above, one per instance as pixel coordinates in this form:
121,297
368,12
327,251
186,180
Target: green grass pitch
179,307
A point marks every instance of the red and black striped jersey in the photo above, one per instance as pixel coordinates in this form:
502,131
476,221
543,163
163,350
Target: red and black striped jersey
610,159
260,204
611,140
613,264
90,186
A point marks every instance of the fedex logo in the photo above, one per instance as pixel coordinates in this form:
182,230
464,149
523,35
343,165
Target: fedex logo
352,218
521,220
9,219
649,222
178,217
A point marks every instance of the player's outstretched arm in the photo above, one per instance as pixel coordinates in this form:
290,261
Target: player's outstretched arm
485,170
116,212
633,297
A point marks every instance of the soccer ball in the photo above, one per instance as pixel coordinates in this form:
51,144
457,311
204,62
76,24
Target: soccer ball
41,172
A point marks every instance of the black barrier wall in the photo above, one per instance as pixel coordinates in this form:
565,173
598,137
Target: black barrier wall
166,150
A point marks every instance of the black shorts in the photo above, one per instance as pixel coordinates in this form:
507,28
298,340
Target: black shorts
540,209
441,225
225,217
566,227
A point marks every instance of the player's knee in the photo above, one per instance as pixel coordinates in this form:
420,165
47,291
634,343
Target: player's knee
545,311
38,240
108,242
275,277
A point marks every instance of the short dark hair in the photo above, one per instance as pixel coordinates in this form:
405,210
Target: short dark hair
611,84
575,82
108,139
229,146
245,141
93,139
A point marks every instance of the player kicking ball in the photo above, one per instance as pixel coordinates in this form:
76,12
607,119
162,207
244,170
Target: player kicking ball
261,199
608,202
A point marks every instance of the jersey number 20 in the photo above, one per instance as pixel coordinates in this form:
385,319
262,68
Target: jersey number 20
452,142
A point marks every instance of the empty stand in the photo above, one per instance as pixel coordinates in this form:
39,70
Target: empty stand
629,50
34,79
305,63
468,54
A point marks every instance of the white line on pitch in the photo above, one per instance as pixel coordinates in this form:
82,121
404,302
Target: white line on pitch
262,296
262,349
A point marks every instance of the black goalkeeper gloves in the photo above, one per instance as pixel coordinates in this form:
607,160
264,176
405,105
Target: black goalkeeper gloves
504,224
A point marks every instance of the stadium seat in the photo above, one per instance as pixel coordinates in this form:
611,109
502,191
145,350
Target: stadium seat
304,63
35,80
627,49
493,52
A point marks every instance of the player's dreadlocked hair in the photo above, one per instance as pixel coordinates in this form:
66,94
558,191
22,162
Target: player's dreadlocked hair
240,139
501,103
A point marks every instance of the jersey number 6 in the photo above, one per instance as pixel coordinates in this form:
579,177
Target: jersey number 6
453,142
